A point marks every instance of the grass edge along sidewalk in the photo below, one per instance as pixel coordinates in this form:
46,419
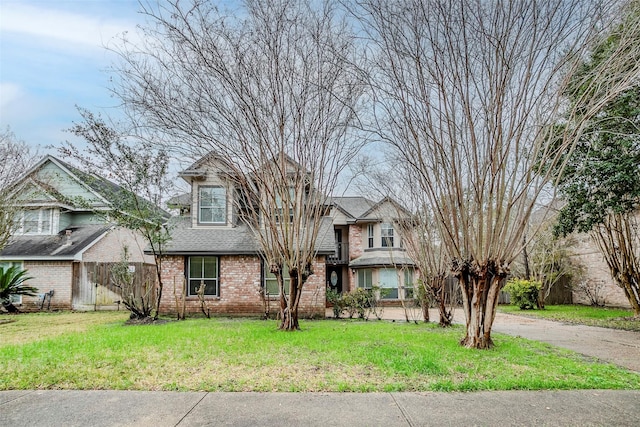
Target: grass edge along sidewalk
252,355
604,317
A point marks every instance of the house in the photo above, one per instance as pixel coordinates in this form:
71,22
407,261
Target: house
212,244
63,243
369,248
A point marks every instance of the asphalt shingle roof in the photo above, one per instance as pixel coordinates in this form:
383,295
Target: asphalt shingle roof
354,206
382,258
229,241
57,245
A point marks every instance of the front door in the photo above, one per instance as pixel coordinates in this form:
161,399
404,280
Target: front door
334,278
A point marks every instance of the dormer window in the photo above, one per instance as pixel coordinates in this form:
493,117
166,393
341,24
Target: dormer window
212,207
34,221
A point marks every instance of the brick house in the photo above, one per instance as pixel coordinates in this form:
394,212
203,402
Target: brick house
211,244
60,242
369,248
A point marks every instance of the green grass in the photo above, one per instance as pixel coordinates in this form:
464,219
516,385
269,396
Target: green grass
615,318
252,355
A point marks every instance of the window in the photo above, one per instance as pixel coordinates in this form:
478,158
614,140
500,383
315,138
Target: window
15,299
203,269
271,282
408,283
35,221
212,205
282,210
370,235
389,283
386,231
365,278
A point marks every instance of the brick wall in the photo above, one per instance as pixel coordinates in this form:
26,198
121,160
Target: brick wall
356,249
109,248
597,273
54,275
240,281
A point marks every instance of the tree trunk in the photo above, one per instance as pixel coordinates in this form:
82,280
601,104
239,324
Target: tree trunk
480,287
158,263
631,291
446,316
289,306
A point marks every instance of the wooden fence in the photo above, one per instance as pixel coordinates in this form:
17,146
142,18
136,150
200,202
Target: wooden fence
94,284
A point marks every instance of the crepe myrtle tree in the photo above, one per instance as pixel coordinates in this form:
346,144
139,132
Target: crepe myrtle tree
418,230
273,94
141,174
467,92
17,157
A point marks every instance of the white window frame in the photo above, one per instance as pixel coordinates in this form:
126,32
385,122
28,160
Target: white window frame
408,277
365,278
389,278
222,208
269,280
216,279
386,235
45,216
370,236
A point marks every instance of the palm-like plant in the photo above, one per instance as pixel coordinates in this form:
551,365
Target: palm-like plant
12,282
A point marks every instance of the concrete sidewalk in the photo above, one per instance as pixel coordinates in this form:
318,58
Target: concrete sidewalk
132,408
503,408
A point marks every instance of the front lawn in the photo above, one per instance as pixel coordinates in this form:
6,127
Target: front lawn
615,318
252,355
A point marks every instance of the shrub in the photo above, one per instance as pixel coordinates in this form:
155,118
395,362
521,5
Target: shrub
336,300
523,293
12,282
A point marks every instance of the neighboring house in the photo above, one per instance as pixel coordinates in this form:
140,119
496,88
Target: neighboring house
369,248
596,275
61,241
211,244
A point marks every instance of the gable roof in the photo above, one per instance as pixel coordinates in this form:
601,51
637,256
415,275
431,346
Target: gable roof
98,187
68,244
31,178
400,210
353,207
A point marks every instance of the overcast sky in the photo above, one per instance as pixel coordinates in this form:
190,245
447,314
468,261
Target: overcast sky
53,57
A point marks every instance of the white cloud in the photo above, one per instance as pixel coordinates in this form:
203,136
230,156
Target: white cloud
60,26
9,93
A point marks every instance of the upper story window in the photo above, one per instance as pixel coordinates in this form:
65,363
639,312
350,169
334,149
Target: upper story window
34,221
212,205
370,235
386,231
284,209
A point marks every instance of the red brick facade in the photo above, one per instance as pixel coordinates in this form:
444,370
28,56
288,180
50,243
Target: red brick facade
240,281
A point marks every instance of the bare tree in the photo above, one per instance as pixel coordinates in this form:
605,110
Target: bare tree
549,259
141,174
467,92
618,238
419,233
273,93
16,157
